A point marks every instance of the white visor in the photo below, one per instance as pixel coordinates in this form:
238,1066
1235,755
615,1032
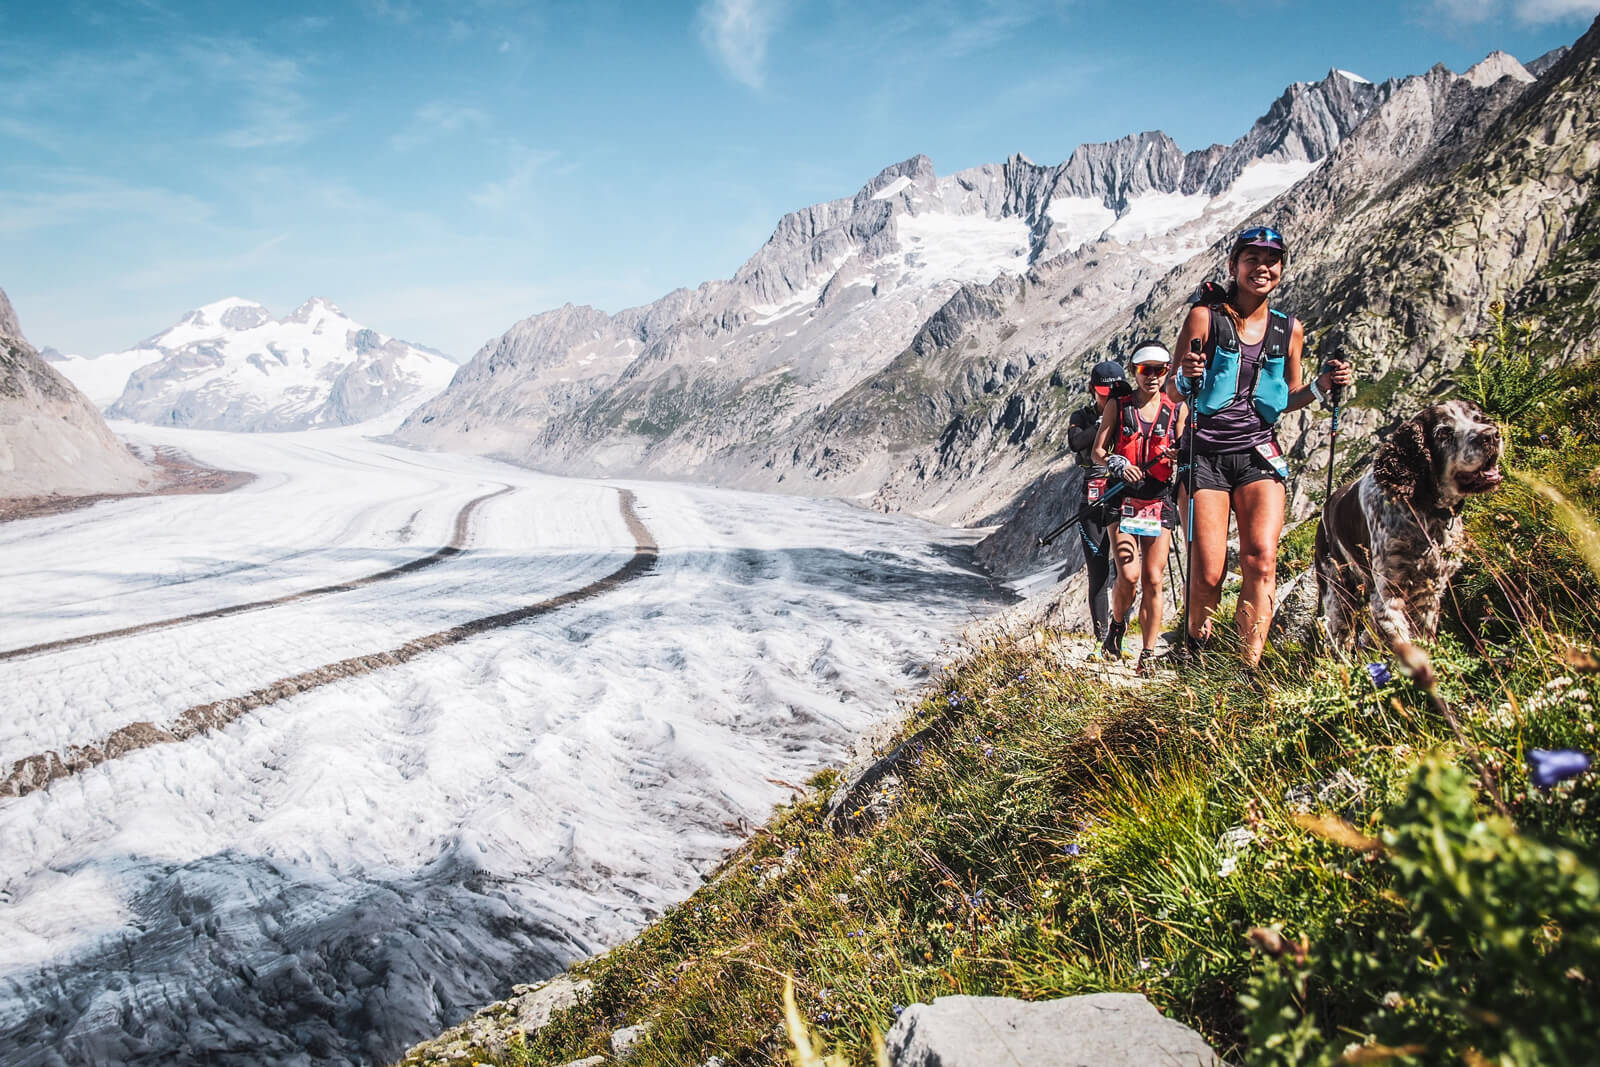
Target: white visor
1151,354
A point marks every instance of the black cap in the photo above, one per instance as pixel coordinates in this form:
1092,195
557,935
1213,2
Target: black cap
1106,373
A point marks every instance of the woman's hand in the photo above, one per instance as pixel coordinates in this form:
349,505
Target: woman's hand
1123,470
1193,364
1340,372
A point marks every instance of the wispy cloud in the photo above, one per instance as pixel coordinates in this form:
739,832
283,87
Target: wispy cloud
1471,12
270,91
884,33
438,119
1467,11
514,190
190,269
397,11
61,198
1540,11
736,33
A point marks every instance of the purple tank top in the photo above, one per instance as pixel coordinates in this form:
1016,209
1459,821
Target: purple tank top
1237,427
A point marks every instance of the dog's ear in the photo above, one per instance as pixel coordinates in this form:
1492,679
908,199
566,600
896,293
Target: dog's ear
1404,464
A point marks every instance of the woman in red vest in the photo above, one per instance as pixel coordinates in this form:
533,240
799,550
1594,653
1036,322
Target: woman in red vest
1138,444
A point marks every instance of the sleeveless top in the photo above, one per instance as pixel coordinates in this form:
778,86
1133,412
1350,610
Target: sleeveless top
1237,427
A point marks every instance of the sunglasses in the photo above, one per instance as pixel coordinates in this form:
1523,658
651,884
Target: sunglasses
1152,368
1260,233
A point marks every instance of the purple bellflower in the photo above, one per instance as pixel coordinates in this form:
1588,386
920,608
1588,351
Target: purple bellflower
1550,766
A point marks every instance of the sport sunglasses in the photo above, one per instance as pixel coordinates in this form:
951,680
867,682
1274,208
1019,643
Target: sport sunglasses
1152,368
1260,233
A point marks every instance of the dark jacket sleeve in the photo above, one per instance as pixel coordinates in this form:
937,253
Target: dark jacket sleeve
1081,428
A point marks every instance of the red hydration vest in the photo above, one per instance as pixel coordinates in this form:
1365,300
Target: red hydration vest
1143,443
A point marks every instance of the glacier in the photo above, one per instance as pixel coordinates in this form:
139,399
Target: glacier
344,871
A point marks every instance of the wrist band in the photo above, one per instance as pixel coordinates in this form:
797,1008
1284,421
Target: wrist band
1316,391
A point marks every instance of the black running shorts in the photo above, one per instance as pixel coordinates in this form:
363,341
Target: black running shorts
1227,471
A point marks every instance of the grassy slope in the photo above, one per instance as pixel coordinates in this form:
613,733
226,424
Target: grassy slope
1055,835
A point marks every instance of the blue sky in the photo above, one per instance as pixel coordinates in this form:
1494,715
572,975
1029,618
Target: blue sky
442,170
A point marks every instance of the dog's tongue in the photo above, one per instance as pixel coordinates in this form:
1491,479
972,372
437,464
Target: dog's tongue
1480,480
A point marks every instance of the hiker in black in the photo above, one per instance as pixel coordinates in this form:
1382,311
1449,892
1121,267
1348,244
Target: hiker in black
1241,370
1082,426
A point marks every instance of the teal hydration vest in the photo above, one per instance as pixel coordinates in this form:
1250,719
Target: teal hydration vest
1267,389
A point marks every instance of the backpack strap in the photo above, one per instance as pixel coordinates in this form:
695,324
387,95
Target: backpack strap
1164,419
1279,329
1129,421
1222,333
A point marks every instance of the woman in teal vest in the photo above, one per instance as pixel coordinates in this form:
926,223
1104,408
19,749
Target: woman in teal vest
1241,361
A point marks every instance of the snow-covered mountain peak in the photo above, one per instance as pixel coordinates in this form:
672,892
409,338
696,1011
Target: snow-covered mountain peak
228,314
314,312
231,366
1350,74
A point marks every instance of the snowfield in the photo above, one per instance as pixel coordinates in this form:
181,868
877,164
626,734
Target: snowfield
341,872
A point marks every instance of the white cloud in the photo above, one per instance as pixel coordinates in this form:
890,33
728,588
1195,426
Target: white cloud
512,190
1466,10
1554,10
438,119
736,33
63,198
1526,11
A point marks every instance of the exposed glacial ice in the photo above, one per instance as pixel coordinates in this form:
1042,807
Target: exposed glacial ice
343,871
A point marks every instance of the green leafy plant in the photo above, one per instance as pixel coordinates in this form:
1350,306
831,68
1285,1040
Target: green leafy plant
1503,372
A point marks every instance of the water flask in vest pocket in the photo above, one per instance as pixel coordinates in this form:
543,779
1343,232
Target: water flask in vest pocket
1271,391
1221,382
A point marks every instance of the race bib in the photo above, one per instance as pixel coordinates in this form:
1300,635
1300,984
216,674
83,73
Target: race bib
1269,452
1141,518
1097,488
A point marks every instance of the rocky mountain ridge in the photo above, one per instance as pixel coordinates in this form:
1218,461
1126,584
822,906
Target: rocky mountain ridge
231,366
693,384
947,393
52,440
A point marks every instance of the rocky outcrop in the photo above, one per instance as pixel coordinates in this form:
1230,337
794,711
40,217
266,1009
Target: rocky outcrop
52,440
490,1029
1104,1029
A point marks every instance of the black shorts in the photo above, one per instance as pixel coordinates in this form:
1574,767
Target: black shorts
1227,471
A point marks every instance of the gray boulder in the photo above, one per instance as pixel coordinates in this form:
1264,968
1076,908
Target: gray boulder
624,1040
535,1006
1098,1030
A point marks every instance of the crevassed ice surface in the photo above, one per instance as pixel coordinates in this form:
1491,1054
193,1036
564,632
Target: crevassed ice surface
341,873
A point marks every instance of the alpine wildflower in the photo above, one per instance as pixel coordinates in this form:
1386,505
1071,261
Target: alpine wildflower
1379,673
1550,766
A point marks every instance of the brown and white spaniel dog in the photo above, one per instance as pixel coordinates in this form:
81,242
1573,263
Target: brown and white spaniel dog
1392,539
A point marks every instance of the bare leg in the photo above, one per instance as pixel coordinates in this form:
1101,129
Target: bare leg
1210,559
1124,547
1152,568
1258,507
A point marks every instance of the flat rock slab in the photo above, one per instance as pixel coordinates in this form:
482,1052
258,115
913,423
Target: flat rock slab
1098,1030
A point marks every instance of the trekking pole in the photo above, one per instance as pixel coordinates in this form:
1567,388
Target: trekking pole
1082,514
1175,558
1197,346
1333,436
